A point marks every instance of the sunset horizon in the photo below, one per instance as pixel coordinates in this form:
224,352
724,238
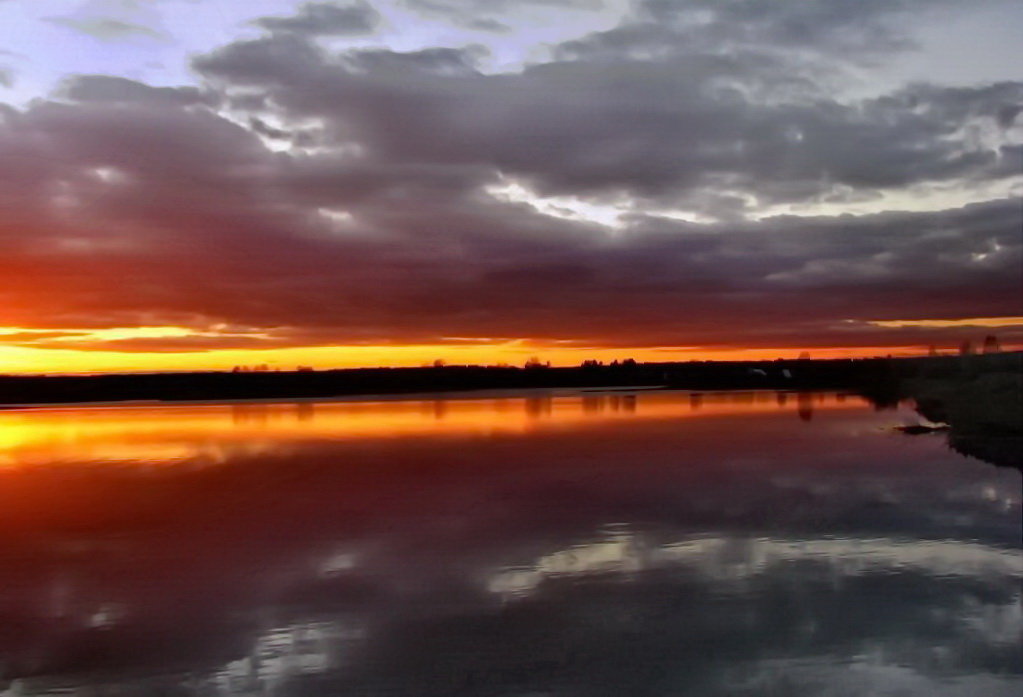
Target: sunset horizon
511,353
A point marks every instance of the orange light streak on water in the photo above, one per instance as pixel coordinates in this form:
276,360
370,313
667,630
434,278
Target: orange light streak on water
162,435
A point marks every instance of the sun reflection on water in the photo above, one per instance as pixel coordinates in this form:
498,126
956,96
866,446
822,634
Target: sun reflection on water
174,434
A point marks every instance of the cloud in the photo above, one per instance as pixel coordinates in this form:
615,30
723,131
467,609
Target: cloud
6,72
33,337
111,90
481,15
197,219
321,197
326,19
106,28
176,344
684,129
836,25
435,60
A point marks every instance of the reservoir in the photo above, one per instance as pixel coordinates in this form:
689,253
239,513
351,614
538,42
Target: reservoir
557,543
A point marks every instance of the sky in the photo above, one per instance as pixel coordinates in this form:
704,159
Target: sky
194,184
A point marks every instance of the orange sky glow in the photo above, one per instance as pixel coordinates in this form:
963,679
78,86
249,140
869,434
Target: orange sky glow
22,360
25,360
18,356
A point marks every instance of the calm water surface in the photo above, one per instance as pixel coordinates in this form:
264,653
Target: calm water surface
601,544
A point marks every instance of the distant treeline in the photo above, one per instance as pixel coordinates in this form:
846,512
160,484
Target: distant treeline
876,377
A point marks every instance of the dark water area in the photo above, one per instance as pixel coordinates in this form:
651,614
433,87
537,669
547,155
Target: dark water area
604,544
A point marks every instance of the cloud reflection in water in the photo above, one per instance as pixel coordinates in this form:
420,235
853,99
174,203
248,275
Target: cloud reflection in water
600,545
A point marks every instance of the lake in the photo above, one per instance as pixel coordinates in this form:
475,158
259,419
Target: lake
549,544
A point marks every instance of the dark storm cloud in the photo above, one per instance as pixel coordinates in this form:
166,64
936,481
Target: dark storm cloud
380,223
326,19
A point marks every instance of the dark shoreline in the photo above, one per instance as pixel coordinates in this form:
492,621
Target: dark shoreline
326,384
882,380
453,395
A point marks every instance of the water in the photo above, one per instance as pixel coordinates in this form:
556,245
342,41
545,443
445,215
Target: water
600,544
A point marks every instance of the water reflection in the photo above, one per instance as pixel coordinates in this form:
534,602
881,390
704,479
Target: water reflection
153,434
805,401
558,544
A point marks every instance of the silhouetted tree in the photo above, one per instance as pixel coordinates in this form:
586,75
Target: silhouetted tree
991,344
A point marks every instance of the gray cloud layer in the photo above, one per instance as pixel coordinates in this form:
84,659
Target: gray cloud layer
326,19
